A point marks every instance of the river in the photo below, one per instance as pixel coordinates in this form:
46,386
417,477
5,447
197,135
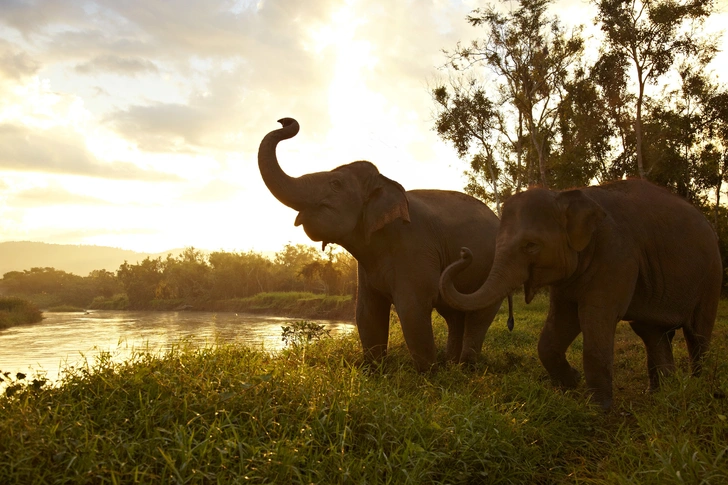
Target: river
70,339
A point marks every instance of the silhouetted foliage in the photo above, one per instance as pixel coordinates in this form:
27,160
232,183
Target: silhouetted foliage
193,277
48,286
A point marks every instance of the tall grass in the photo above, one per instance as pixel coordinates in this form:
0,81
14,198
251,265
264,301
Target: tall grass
314,414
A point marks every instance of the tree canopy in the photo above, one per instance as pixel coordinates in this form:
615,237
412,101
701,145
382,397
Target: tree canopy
531,102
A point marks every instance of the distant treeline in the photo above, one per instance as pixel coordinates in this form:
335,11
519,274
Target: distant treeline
194,278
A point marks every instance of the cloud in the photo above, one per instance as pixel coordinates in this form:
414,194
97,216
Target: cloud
125,66
62,150
52,195
227,114
16,64
233,67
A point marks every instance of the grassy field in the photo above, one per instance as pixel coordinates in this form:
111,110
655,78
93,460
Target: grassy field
313,414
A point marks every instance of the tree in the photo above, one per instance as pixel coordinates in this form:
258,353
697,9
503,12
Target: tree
506,123
140,281
104,283
530,55
239,275
290,261
186,277
649,35
468,117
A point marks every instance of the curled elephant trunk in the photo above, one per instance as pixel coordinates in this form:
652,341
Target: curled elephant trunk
288,190
495,288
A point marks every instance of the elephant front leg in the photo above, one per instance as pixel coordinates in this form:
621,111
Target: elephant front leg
372,322
416,320
559,331
598,326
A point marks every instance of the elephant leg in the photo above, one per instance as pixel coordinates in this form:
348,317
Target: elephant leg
372,321
559,331
697,335
455,328
598,326
658,344
416,320
476,326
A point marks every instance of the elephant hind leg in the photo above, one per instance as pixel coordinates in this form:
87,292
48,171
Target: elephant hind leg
476,326
455,329
658,343
698,333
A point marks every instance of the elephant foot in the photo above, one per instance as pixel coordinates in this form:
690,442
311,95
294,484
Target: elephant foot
602,400
569,380
468,358
605,404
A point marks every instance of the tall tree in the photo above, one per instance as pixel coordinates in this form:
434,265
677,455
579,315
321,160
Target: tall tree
506,122
468,117
649,35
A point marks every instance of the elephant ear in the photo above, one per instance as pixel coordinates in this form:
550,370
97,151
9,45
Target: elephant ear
581,216
386,201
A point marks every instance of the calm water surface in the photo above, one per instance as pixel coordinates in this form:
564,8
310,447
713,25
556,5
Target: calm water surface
70,339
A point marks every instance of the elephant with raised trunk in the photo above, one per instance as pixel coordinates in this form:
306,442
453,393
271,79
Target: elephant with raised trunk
627,250
402,240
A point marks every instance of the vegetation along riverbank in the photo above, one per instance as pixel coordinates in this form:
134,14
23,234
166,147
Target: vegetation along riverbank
298,281
15,311
313,414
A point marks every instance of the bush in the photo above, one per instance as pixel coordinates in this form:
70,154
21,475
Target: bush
15,311
303,332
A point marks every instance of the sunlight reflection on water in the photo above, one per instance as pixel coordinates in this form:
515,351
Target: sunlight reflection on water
69,339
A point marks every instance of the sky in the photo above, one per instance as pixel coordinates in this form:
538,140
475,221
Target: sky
136,124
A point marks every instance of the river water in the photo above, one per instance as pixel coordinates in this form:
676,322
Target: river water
70,339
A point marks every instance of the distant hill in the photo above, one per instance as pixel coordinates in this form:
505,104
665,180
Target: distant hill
80,260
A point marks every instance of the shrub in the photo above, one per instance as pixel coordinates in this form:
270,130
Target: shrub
15,311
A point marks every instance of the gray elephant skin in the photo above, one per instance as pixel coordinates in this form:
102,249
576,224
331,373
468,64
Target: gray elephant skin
402,240
627,250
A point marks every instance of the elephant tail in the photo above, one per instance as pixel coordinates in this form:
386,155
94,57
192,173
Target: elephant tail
511,321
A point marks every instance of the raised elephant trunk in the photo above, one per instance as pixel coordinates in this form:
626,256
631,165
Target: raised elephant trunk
500,283
288,190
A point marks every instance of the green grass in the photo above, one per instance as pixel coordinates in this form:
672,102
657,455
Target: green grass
313,414
16,311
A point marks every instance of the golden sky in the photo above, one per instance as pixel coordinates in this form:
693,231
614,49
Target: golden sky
136,123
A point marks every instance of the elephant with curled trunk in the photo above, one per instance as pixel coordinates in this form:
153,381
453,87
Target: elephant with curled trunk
402,240
627,250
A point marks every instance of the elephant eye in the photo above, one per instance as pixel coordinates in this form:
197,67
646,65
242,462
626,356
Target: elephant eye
335,184
531,248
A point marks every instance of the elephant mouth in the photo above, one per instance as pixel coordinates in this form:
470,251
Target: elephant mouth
310,231
529,286
299,220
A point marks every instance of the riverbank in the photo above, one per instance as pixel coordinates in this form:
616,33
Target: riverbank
15,311
313,414
301,305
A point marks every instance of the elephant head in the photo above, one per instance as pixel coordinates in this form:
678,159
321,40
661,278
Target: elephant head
538,242
344,205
